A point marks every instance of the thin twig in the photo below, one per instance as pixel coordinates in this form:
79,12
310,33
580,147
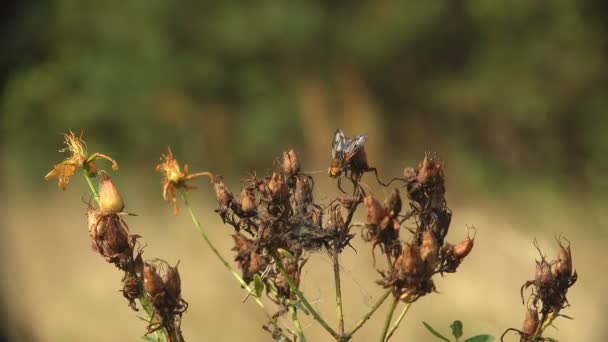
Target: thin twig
398,321
216,251
92,187
368,315
294,288
338,292
389,318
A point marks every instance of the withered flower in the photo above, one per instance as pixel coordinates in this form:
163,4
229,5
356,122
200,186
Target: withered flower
278,188
78,159
375,211
291,163
175,178
248,204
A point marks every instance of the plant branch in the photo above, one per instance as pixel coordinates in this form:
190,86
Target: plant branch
545,322
92,187
296,323
367,316
389,317
398,321
216,251
294,289
338,292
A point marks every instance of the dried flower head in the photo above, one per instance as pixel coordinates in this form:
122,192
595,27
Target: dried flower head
174,177
530,323
291,163
78,159
375,211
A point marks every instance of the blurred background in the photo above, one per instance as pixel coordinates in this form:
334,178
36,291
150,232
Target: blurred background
513,95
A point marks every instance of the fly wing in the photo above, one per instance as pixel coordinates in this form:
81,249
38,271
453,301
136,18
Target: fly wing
338,145
354,145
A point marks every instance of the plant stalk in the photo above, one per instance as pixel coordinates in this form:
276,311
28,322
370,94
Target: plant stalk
389,318
296,323
338,292
216,251
398,321
368,315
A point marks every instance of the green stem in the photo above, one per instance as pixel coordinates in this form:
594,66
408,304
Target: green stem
398,321
546,322
215,250
143,300
338,292
389,317
296,323
294,289
92,187
368,315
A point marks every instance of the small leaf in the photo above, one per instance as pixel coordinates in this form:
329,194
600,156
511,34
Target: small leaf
434,332
456,329
285,253
480,338
258,286
150,339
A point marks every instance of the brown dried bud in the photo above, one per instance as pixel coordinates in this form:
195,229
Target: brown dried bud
409,174
430,170
153,283
95,228
317,217
429,249
463,248
544,276
530,323
563,267
409,261
291,163
223,196
375,211
109,198
173,282
303,193
393,204
248,204
278,187
116,236
257,264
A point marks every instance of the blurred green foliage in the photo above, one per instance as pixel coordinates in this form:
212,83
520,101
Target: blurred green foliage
510,86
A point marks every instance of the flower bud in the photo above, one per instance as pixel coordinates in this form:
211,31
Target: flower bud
248,204
430,170
544,276
375,211
173,282
291,163
530,323
409,260
109,198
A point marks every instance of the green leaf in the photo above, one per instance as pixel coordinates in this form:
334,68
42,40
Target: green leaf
434,332
456,329
150,339
258,286
285,253
480,338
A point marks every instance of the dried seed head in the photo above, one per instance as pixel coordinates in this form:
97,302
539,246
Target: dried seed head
303,193
278,187
173,282
248,204
429,249
291,163
430,170
563,267
544,276
393,204
530,323
409,174
153,283
109,198
375,211
116,236
223,196
463,248
257,264
409,260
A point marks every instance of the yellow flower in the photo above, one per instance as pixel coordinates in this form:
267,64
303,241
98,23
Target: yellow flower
78,159
175,178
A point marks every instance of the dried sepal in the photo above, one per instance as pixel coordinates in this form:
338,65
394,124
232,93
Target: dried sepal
291,163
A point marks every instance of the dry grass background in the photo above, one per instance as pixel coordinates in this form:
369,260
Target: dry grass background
57,289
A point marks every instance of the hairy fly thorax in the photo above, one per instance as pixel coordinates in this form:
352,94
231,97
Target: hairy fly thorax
348,155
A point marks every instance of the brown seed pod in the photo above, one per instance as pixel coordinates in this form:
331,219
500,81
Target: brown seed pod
278,188
463,248
291,163
530,323
393,204
543,276
109,198
430,170
173,282
248,204
116,236
303,193
153,283
429,249
375,211
409,261
223,196
563,266
257,264
93,217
